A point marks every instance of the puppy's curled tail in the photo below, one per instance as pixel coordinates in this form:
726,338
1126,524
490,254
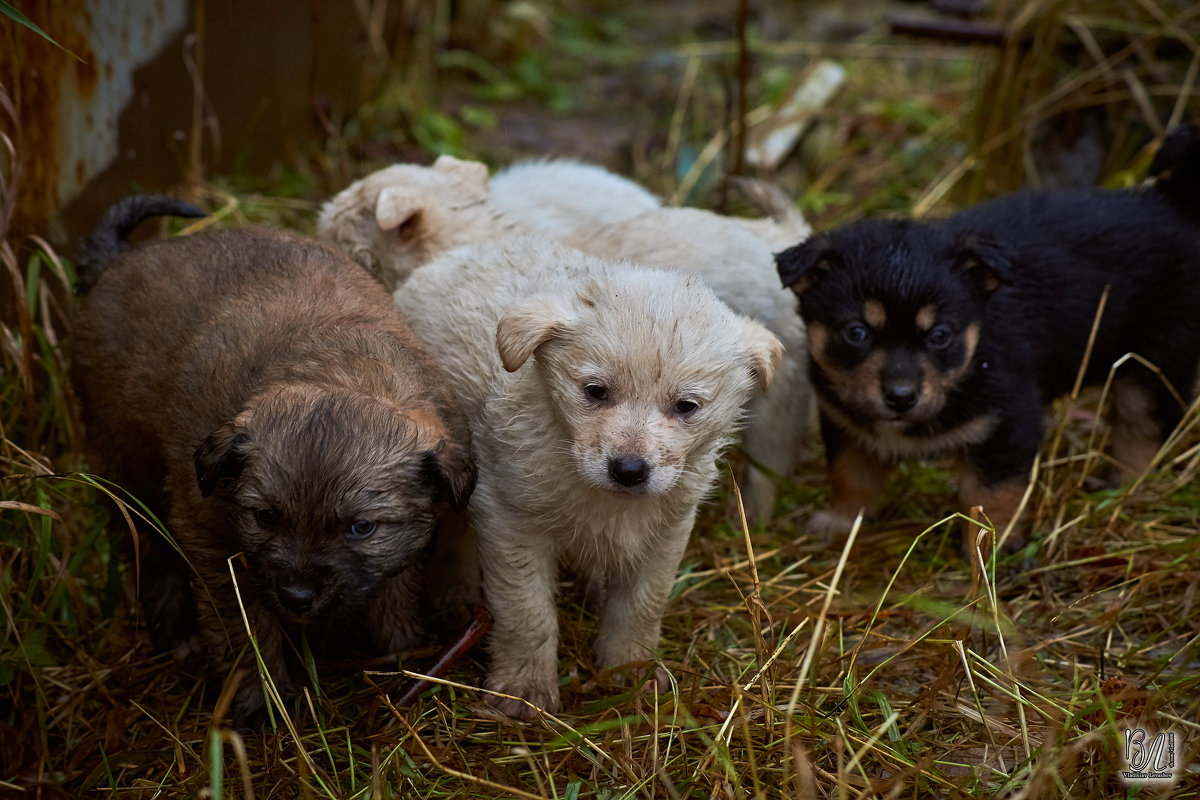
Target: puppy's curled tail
111,235
768,198
1176,169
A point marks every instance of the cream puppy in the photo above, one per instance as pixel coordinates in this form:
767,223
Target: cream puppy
559,196
740,269
398,218
394,220
600,395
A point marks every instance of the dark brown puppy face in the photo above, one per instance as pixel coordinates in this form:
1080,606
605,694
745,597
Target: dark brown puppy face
330,494
894,313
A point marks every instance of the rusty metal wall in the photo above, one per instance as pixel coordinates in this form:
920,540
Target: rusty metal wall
156,78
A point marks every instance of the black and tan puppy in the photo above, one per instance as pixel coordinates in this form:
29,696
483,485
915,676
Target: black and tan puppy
264,396
927,339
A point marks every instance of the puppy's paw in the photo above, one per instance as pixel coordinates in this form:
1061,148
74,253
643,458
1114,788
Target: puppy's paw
399,638
659,679
249,707
828,526
525,698
627,647
758,496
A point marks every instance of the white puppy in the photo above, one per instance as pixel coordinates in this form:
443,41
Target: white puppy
394,220
599,396
557,197
397,219
740,269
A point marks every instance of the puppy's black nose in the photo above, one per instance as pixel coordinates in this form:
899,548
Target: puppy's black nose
296,597
900,396
628,470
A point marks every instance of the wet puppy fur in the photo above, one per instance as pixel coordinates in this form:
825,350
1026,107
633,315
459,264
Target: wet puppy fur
600,396
740,269
400,217
951,337
265,398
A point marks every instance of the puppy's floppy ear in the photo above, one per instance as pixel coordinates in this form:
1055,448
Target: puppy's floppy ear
473,173
401,209
802,265
451,467
220,457
985,260
766,351
524,329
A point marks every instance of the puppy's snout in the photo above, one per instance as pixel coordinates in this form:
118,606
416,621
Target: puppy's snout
900,396
900,381
628,470
297,597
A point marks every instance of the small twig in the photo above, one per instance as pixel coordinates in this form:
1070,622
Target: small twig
481,623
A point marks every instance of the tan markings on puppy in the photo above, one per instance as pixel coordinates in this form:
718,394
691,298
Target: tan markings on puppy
888,440
858,386
857,477
892,444
818,339
1000,504
875,314
1135,435
971,335
862,382
936,385
926,317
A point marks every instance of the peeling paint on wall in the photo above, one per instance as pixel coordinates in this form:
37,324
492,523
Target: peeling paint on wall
164,91
122,36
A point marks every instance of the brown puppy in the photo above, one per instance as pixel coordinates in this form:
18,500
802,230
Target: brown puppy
263,395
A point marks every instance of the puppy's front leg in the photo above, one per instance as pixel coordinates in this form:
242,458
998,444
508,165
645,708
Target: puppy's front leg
519,582
636,598
996,473
221,624
1000,501
392,615
857,477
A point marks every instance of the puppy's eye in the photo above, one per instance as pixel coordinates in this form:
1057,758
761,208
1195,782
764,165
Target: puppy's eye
361,528
686,408
267,517
596,391
856,333
939,337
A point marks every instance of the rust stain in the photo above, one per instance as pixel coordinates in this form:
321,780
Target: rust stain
263,106
29,68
